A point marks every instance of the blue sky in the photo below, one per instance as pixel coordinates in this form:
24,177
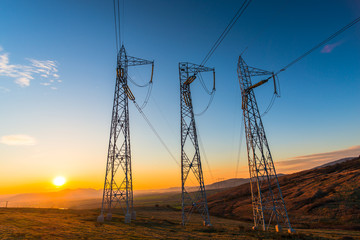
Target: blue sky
68,119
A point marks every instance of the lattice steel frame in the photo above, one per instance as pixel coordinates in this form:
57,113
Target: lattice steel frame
191,201
267,200
118,185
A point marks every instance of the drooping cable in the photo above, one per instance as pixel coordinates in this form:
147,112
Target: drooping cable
118,35
320,44
207,106
238,14
204,85
271,104
226,31
149,90
148,94
155,132
137,84
212,94
343,29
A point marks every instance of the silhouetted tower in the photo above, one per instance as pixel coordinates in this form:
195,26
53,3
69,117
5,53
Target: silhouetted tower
190,155
118,186
267,201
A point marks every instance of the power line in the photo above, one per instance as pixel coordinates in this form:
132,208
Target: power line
271,104
137,84
226,31
215,46
320,44
155,132
239,149
119,22
148,84
205,156
343,29
204,85
147,97
207,107
212,94
116,29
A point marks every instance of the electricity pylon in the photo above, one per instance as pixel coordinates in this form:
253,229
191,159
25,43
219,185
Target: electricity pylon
267,200
118,185
190,154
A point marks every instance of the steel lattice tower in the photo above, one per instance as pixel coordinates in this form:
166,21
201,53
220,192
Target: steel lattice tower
267,200
118,185
190,154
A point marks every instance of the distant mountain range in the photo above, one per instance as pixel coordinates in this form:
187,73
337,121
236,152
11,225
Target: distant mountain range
58,199
327,195
89,198
70,197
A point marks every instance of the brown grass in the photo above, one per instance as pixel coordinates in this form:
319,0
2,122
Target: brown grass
327,197
152,223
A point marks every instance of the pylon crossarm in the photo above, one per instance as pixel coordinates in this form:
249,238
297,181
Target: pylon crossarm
134,61
254,72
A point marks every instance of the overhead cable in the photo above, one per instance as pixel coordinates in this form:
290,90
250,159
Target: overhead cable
116,28
320,44
226,31
207,106
155,132
343,29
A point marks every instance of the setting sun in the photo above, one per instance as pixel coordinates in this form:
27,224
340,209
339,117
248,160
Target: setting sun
59,181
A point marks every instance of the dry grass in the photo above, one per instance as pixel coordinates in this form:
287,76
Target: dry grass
327,197
151,223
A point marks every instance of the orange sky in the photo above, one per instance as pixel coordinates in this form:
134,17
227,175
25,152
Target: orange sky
144,178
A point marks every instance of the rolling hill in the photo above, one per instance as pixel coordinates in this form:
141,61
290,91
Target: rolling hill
327,196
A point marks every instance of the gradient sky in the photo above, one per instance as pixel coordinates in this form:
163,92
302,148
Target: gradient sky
57,77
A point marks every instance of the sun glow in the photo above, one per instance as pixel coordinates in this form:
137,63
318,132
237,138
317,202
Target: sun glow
59,181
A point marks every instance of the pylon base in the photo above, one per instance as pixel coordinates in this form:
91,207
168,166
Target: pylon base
108,217
291,230
133,215
100,218
127,218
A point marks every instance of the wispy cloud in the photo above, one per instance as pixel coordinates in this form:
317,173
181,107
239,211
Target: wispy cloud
310,161
44,70
328,48
18,140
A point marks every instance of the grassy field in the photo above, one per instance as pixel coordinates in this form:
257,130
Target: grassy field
151,223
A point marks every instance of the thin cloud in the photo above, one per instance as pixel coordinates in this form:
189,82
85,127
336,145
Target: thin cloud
330,47
23,81
310,161
18,140
24,74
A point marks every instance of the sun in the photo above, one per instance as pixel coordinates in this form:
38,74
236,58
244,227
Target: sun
59,181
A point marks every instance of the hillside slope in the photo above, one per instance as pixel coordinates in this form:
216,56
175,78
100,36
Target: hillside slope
328,196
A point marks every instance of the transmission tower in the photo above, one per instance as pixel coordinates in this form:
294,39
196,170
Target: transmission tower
118,186
190,155
267,200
